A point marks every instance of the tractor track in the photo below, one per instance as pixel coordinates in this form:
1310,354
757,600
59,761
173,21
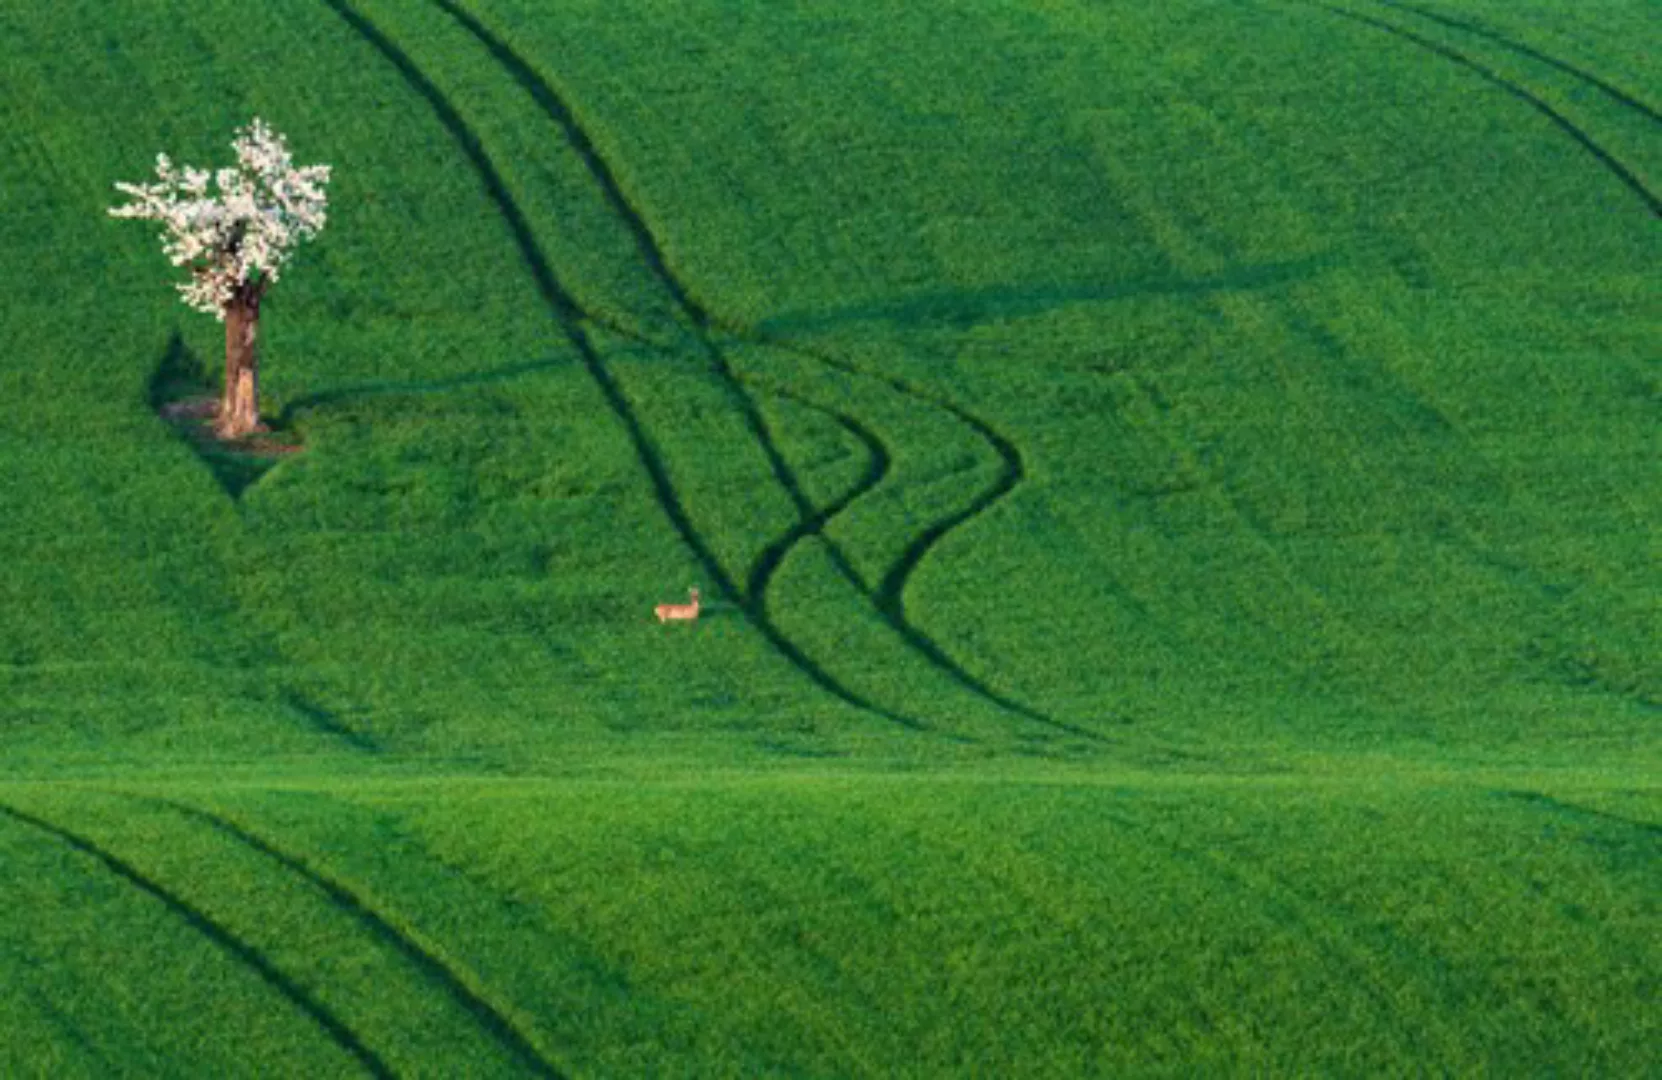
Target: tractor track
221,936
647,247
888,595
1331,935
1648,830
811,519
1627,176
490,1018
772,556
572,319
555,107
1513,45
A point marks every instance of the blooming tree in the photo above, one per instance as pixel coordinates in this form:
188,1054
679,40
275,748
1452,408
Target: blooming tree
233,242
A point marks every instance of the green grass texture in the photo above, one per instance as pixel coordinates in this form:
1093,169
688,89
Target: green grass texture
1175,490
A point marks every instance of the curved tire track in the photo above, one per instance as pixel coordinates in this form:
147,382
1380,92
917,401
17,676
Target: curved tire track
572,318
811,519
1513,45
238,949
888,595
493,1020
773,555
1568,126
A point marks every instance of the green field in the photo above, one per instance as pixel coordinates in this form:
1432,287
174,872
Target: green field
1176,489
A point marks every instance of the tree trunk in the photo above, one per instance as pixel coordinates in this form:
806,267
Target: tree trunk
239,408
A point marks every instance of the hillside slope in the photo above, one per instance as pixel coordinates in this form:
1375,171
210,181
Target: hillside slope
1175,487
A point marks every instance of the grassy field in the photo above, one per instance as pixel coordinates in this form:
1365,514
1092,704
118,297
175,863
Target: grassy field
1175,489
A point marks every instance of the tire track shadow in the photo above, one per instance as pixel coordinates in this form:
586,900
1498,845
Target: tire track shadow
572,319
398,388
555,107
490,1018
326,722
1649,831
223,938
1513,45
647,246
877,469
1564,123
1332,938
888,595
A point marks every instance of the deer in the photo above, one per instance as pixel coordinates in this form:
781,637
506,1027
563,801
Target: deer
666,612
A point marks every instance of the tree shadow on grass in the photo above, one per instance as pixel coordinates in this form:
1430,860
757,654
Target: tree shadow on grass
406,387
967,308
185,399
183,394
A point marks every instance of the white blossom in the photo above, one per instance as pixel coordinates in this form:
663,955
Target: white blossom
244,232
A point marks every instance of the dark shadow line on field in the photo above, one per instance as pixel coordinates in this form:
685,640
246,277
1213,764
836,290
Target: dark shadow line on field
878,464
553,293
774,554
1587,142
965,309
811,519
888,595
435,970
571,317
556,108
1648,829
199,921
330,724
414,387
1479,30
70,1031
1285,905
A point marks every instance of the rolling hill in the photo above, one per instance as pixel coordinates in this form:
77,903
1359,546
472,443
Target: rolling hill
1175,490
